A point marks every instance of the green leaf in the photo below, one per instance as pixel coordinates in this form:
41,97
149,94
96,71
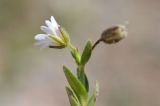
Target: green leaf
76,85
86,82
76,55
86,53
83,78
92,99
72,97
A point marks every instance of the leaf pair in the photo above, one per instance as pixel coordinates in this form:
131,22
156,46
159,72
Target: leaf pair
81,61
77,86
84,59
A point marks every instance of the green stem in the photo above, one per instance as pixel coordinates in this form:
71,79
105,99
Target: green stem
80,70
71,47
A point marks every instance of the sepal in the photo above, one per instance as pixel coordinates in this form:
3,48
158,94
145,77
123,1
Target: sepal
64,36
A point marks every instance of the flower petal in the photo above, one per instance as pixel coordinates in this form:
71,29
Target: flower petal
46,30
55,24
52,27
49,24
45,43
41,37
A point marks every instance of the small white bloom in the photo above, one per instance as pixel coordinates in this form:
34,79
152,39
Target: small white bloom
52,36
52,27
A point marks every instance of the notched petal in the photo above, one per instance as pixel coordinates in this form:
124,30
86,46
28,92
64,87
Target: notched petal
49,24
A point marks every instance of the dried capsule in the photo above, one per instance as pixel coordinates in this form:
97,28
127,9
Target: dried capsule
114,34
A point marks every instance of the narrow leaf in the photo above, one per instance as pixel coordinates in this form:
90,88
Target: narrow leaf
83,78
86,53
86,83
76,55
72,97
76,85
92,99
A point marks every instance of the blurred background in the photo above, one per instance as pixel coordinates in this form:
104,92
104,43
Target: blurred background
128,72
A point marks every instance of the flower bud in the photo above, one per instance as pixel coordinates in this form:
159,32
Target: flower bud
114,34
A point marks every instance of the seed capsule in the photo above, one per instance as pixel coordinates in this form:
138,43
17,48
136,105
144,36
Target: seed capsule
114,34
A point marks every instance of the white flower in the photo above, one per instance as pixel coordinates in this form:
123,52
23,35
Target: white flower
53,34
43,40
